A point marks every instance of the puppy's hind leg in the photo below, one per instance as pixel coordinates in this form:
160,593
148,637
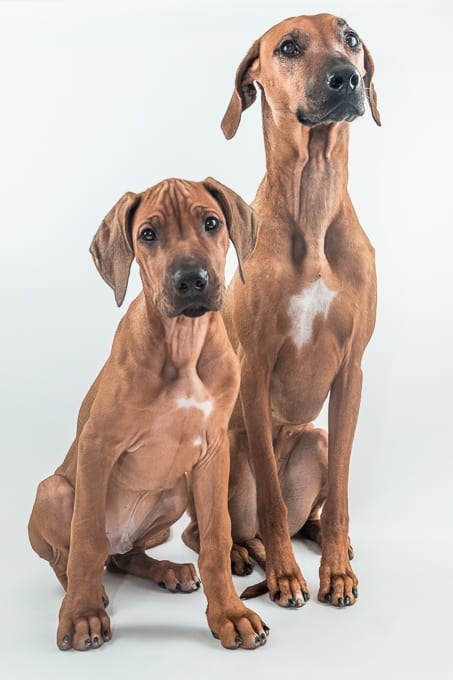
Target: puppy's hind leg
49,528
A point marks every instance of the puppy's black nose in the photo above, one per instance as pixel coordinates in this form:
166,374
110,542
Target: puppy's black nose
190,280
343,79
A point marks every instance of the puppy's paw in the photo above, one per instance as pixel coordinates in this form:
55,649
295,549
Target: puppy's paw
238,627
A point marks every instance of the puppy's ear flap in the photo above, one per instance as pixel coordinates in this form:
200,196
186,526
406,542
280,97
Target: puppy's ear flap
240,218
244,93
369,87
111,246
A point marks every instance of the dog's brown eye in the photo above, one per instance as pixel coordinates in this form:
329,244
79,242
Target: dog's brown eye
147,234
352,40
211,223
289,48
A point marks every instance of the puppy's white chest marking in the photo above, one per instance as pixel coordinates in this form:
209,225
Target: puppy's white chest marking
305,307
197,441
190,402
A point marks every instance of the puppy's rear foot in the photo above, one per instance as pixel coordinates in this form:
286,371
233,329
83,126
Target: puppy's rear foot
177,578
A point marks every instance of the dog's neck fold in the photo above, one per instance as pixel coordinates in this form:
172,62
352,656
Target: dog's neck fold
306,172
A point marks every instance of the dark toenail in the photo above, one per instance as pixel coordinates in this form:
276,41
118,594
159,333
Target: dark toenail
276,596
178,587
248,569
161,584
88,642
105,602
306,596
105,634
327,597
263,636
340,602
66,639
257,639
266,628
292,602
238,640
347,600
198,583
354,592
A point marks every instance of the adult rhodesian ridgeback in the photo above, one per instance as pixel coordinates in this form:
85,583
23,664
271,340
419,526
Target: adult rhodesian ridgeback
154,423
302,322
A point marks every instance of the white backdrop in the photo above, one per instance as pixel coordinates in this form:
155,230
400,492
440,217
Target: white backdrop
98,98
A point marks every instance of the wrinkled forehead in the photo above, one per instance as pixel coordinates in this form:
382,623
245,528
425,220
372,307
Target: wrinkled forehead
175,200
317,29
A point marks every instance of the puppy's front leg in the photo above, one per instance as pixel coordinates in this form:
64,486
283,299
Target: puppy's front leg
228,618
83,622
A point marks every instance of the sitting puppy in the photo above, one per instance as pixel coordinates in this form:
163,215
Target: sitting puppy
153,426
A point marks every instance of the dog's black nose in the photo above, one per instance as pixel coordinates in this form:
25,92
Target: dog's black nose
343,79
190,280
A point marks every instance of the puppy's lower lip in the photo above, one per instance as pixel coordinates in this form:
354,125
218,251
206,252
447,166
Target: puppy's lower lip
194,311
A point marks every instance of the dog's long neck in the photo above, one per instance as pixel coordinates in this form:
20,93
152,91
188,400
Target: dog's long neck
306,172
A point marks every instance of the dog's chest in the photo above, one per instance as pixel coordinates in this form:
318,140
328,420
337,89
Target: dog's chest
312,303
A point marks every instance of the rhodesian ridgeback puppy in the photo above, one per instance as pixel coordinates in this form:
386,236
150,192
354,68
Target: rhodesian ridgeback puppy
302,322
153,427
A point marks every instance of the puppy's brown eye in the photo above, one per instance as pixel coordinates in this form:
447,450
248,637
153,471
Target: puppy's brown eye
147,234
289,48
211,223
352,40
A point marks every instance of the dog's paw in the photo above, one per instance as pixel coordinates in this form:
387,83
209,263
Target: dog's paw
82,627
287,587
238,627
338,583
240,561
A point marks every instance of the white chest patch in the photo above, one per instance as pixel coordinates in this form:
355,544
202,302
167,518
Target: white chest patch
191,402
197,441
305,307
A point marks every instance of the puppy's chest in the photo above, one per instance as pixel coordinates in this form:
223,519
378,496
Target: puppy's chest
171,436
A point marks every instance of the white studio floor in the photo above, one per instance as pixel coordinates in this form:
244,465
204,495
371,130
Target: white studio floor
400,627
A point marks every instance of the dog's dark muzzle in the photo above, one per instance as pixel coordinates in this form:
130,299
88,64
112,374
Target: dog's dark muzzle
342,96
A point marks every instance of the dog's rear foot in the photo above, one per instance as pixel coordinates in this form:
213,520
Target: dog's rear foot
240,561
312,531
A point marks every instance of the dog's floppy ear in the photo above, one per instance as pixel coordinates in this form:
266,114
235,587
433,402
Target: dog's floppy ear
244,93
241,222
369,87
111,246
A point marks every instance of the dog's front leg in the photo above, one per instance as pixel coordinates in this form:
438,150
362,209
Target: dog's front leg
228,618
285,582
338,583
83,622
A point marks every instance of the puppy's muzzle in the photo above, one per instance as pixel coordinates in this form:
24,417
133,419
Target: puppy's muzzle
192,292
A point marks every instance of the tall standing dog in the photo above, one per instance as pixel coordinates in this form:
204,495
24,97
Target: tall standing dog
153,426
302,322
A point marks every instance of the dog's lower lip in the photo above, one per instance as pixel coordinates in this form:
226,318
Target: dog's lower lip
351,111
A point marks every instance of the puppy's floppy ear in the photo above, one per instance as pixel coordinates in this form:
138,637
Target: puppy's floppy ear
111,246
369,87
244,93
241,222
